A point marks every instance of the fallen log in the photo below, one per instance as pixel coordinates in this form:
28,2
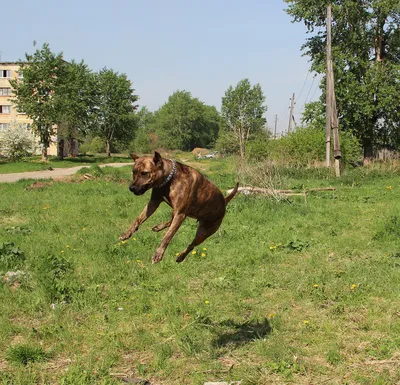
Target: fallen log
272,192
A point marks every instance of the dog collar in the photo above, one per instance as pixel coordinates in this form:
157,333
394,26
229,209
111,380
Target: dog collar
170,176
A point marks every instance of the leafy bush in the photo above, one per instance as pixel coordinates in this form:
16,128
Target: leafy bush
55,275
94,146
258,148
11,257
16,142
307,145
226,144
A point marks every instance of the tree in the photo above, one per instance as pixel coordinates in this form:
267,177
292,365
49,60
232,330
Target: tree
184,122
76,99
243,112
34,94
366,61
114,107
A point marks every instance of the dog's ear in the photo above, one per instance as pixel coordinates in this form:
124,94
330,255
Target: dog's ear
156,158
134,156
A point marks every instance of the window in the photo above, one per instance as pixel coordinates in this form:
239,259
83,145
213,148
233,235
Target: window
20,75
4,126
5,109
5,91
5,74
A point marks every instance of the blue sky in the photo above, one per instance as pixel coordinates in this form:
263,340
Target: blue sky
202,46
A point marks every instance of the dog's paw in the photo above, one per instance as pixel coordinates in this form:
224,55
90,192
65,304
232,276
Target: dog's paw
124,237
181,257
156,229
157,257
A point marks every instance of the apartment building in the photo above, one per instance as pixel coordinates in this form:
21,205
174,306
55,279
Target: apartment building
8,111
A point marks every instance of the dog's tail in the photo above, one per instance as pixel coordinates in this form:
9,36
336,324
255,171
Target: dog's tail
231,194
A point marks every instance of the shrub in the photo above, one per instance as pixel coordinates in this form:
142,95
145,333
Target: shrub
94,146
16,142
11,257
226,144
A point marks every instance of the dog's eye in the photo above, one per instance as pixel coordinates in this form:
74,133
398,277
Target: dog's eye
144,173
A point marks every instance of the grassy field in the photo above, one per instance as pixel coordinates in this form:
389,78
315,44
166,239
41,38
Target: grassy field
288,291
35,163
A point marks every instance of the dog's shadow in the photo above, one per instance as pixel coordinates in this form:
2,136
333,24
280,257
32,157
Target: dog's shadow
239,334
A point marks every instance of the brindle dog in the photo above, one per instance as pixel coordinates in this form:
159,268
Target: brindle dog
183,188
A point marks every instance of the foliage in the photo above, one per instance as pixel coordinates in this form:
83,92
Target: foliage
242,112
35,94
11,257
76,97
94,145
366,60
184,122
257,148
115,106
146,140
306,146
16,142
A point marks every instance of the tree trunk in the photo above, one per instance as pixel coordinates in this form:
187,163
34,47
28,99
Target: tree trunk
61,149
368,151
108,148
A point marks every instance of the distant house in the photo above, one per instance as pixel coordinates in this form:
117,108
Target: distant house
9,113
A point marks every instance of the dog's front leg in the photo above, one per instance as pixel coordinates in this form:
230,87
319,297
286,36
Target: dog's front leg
177,220
146,213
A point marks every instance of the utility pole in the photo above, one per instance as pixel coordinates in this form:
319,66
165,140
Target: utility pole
332,123
328,121
291,115
276,123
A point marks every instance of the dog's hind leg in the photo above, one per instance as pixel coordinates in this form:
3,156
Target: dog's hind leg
204,231
162,226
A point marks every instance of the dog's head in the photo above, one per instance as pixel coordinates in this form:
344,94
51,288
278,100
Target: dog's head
147,173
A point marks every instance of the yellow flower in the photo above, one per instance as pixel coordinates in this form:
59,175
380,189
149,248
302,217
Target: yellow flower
353,286
204,249
206,301
68,246
389,187
62,251
194,252
306,322
271,315
316,286
84,229
138,261
123,242
203,254
134,239
177,254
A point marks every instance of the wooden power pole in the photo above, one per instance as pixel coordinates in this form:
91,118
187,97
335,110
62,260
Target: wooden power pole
291,115
332,123
276,123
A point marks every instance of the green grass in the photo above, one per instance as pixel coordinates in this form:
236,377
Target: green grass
298,291
34,163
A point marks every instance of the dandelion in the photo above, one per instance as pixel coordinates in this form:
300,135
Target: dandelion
138,261
353,286
306,322
316,285
271,315
84,229
389,187
176,254
134,239
62,251
194,252
205,249
207,302
68,246
123,242
203,254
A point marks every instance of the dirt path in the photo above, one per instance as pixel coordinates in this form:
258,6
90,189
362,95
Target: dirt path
47,174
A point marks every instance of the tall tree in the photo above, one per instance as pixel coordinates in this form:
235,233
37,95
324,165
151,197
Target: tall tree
115,106
366,61
76,98
243,112
184,122
34,93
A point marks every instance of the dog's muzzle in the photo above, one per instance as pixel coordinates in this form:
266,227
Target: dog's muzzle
138,190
